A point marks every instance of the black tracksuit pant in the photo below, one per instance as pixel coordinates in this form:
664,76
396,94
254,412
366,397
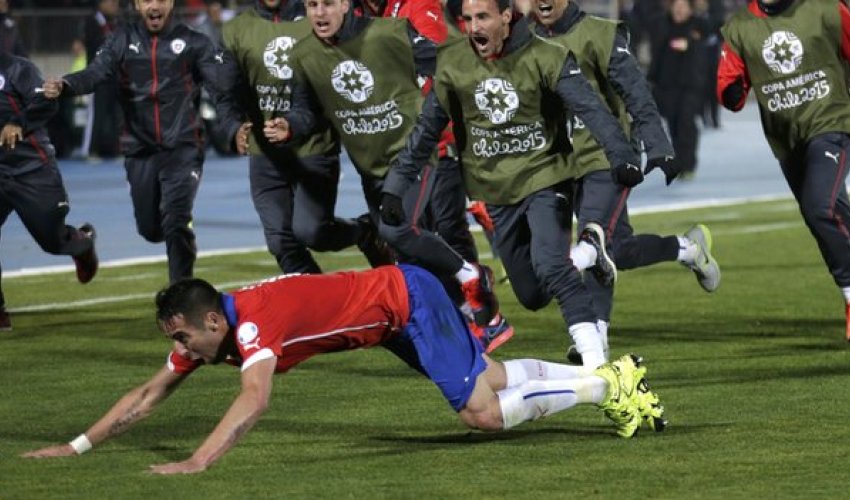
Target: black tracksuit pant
163,186
295,200
40,200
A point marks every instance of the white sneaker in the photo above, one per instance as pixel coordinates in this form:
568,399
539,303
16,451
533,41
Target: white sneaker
704,266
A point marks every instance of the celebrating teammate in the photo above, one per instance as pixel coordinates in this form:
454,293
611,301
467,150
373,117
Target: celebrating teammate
263,329
506,91
360,74
793,54
31,183
602,51
159,64
294,188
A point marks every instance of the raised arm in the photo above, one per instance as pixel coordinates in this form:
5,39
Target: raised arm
251,402
578,96
103,68
131,408
630,84
216,68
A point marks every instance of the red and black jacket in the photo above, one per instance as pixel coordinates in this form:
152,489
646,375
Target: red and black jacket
159,77
23,103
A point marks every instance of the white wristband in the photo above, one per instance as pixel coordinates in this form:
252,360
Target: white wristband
81,444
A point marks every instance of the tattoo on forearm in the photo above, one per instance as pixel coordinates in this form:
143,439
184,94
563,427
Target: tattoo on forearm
237,433
130,416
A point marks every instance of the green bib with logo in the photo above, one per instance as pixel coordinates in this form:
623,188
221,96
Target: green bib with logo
796,71
592,40
506,118
262,50
367,87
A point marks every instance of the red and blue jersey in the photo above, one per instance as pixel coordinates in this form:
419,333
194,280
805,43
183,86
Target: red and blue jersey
294,317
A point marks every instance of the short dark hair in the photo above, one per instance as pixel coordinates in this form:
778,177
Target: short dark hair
191,298
455,6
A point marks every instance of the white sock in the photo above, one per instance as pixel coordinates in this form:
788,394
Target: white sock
467,272
538,398
602,326
588,343
846,292
583,255
687,251
520,371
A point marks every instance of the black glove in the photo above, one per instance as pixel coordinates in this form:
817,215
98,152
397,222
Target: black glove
627,174
733,94
392,211
670,168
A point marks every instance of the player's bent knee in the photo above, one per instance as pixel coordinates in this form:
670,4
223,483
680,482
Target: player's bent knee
487,421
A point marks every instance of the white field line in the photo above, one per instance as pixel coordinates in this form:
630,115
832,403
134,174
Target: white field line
147,260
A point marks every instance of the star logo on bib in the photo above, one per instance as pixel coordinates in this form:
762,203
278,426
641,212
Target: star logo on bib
783,52
497,100
353,81
276,57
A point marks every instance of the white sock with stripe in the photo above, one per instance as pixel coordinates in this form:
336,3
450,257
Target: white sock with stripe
539,398
520,371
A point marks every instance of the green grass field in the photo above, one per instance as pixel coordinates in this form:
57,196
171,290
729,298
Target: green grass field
754,379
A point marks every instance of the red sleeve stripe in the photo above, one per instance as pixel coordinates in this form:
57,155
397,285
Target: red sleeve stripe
845,30
731,68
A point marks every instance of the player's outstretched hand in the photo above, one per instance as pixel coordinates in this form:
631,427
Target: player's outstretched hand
276,130
59,450
185,467
52,88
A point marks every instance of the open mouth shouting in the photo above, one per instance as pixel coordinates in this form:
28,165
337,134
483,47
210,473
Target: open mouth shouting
544,9
155,20
482,44
548,11
323,29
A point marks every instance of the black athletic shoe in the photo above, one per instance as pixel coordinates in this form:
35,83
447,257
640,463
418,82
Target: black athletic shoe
5,320
87,262
603,269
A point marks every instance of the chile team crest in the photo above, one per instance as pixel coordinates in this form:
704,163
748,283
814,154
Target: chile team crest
783,52
353,81
497,100
276,57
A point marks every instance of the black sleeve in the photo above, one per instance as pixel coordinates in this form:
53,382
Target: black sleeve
103,68
424,52
418,148
580,98
217,68
630,84
37,109
303,108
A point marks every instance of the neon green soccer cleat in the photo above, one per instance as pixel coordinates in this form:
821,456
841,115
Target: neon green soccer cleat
649,404
621,402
